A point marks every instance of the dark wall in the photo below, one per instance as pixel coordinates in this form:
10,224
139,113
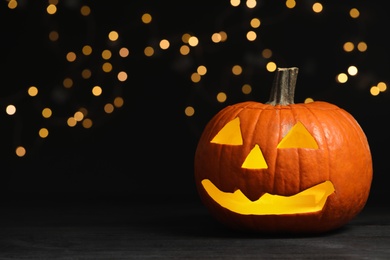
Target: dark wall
147,146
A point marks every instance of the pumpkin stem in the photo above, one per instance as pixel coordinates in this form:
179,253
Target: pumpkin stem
283,88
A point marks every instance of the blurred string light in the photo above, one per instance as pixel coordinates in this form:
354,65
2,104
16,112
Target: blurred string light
250,19
233,48
82,94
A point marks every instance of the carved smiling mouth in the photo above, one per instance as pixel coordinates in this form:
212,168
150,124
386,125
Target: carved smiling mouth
310,200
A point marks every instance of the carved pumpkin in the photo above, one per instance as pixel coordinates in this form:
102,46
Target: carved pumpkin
283,167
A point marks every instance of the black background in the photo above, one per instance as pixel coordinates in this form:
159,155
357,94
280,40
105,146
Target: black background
146,148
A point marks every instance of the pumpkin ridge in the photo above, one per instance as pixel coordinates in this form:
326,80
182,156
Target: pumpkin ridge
351,123
339,126
280,134
224,112
254,130
235,110
297,151
266,154
355,125
318,122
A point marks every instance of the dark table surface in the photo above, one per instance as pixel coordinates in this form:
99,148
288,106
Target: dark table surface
166,230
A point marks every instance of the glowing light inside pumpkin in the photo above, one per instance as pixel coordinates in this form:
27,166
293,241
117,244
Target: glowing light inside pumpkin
255,159
309,200
229,134
297,137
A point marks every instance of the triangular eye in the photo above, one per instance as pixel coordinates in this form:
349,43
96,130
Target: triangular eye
229,134
298,137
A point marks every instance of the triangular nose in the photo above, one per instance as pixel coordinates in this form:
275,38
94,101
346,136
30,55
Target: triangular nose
255,159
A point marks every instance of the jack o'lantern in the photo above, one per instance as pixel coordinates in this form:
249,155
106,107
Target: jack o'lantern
283,167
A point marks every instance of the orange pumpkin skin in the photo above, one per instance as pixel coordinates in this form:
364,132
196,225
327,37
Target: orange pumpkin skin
343,157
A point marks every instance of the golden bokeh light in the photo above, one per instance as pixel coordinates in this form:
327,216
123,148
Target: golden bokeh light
47,112
317,7
185,37
149,51
12,4
308,100
113,36
78,116
382,86
266,53
87,123
118,102
255,23
10,110
54,36
348,46
184,50
271,66
51,9
246,89
107,67
109,108
216,37
124,52
20,151
122,76
221,97
202,70
251,3
362,46
290,4
85,10
237,70
354,13
85,74
195,77
43,133
146,18
374,90
97,91
106,54
189,111
71,122
342,78
352,70
32,91
193,41
164,44
235,3
251,36
87,50
71,56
